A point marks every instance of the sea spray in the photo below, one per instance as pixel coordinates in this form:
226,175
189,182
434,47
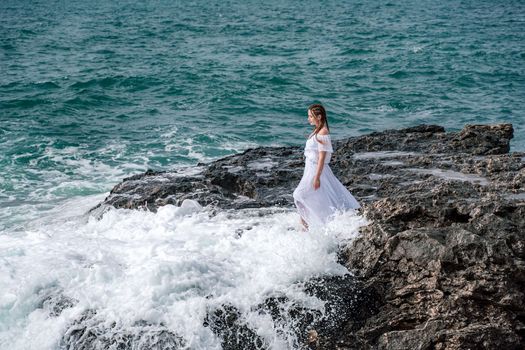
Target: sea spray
139,277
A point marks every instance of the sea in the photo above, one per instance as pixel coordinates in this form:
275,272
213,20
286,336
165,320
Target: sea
94,91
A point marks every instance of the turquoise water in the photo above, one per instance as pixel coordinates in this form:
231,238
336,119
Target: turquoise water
91,92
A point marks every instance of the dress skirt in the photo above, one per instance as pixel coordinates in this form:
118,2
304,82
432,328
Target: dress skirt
317,206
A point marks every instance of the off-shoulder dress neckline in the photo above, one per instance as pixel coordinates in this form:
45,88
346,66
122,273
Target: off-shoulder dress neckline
312,134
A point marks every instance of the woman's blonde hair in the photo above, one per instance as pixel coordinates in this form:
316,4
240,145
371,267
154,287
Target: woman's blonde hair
319,113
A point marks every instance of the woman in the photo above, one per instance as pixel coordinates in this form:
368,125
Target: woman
320,194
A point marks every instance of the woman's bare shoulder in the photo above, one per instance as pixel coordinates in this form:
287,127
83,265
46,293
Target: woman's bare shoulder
323,131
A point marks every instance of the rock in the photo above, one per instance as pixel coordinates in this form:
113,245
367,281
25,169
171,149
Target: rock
92,332
442,264
370,166
451,275
227,323
54,301
484,139
345,301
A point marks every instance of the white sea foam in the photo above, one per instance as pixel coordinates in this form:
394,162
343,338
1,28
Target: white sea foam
262,164
383,154
167,267
373,176
516,196
56,173
452,175
418,116
386,108
417,48
170,133
393,163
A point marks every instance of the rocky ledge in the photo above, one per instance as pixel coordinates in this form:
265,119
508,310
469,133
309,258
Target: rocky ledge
441,264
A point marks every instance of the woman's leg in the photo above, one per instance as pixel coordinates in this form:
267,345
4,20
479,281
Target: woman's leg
298,196
302,211
304,225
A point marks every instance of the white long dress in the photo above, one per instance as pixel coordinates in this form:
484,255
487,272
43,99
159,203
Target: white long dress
317,206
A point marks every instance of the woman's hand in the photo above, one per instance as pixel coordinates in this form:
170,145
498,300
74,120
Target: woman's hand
317,183
320,166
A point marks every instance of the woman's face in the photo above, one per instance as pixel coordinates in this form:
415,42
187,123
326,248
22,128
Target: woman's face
311,119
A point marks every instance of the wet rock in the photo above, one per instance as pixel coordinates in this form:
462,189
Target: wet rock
442,264
54,301
227,323
92,332
55,304
346,305
371,166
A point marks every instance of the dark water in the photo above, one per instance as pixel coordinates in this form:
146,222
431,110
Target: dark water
93,91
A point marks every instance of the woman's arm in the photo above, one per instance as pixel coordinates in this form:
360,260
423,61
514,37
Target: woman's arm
320,165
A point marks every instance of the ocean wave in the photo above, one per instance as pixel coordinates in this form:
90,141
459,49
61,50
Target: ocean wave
165,269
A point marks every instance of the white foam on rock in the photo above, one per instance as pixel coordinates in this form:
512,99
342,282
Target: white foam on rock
233,169
393,163
262,164
452,175
167,267
373,176
516,196
383,154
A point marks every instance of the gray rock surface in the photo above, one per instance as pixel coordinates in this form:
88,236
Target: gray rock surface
371,166
443,259
92,332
